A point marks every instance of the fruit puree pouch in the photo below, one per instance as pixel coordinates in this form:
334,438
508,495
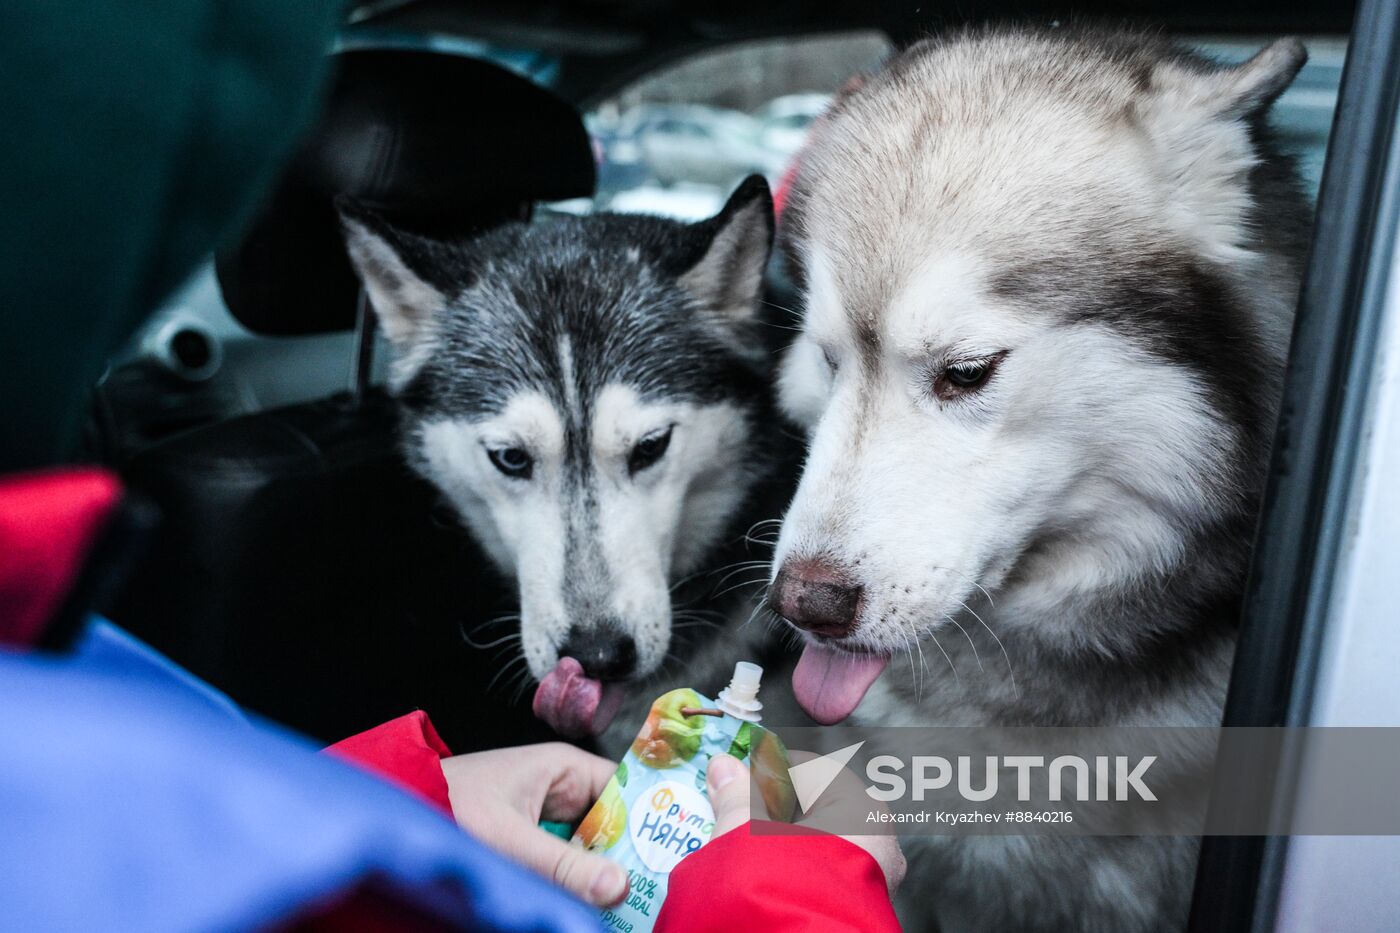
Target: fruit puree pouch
656,809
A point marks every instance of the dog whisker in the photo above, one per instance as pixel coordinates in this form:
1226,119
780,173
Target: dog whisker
991,602
509,618
1009,669
975,653
731,570
915,674
520,689
778,307
742,585
710,572
913,682
761,607
791,637
699,614
519,659
689,578
708,617
685,625
482,646
951,666
734,569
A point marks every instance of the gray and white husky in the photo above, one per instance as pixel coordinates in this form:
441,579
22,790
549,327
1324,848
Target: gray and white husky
591,395
1049,279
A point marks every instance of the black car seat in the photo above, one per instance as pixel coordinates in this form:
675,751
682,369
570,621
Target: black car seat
299,565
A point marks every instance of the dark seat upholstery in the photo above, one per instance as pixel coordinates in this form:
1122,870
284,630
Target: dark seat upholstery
300,566
436,142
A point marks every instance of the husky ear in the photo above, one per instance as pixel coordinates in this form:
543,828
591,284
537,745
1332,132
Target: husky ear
1239,91
728,276
402,300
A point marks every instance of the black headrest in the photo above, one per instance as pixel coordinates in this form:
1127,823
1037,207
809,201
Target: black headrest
433,141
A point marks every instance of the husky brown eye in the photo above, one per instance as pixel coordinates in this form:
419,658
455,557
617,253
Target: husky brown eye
964,376
512,461
648,450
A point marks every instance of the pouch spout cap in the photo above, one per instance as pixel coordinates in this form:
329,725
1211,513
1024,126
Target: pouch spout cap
740,698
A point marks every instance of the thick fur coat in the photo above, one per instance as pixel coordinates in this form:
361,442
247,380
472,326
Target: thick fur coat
1049,281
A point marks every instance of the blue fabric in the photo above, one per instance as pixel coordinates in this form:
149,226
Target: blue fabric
133,797
105,650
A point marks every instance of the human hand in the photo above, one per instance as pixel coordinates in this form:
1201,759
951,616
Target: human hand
729,785
500,796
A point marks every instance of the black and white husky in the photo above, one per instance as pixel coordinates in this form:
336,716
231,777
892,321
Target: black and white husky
592,396
1049,282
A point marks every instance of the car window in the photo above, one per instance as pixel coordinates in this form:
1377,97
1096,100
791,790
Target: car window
1302,117
677,141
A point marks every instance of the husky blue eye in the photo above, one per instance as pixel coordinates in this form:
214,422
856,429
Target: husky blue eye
512,461
648,450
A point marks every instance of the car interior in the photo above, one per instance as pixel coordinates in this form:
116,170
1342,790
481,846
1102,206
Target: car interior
299,565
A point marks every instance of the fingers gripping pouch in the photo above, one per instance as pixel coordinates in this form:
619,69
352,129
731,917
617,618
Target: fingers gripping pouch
656,810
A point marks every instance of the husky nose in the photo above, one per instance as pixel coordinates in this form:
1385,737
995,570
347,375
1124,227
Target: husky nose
604,651
816,596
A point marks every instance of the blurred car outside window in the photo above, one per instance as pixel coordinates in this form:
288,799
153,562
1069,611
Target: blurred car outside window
677,141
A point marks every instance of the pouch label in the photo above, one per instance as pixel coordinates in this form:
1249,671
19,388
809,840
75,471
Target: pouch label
668,824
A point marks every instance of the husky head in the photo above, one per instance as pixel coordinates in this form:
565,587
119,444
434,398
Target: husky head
582,392
1048,286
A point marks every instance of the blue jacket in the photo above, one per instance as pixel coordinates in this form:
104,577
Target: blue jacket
135,797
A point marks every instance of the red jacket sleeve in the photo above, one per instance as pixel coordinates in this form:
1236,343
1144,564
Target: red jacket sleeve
406,751
779,883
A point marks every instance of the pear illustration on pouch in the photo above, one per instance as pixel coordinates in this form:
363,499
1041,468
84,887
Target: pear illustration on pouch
607,821
669,738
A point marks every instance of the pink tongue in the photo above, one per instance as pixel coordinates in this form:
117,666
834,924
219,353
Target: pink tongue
830,684
574,705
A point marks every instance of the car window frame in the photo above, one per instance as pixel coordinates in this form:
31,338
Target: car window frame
1321,424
